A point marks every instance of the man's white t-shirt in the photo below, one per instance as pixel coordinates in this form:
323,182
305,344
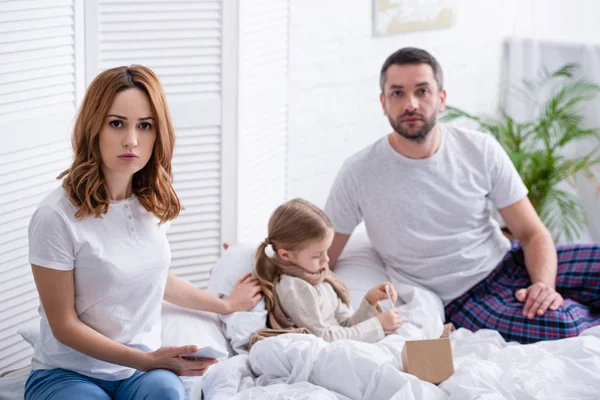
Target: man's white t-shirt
120,264
429,219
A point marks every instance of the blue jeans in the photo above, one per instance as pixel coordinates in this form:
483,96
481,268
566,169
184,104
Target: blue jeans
58,384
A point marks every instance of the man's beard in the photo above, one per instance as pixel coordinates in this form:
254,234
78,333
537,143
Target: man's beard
416,136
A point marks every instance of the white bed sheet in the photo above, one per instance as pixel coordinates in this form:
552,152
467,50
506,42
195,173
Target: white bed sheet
13,387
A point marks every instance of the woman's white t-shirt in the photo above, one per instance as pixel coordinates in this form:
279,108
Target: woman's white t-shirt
120,264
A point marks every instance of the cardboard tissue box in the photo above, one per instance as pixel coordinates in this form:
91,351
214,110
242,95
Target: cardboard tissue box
429,360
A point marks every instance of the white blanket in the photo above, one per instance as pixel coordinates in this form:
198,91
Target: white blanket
486,366
302,366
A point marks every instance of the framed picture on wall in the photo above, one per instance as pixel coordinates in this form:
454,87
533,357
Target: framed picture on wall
391,17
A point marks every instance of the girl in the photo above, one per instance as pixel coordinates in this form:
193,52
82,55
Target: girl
100,255
301,292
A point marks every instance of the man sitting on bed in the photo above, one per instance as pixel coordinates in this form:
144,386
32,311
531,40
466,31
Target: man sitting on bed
423,194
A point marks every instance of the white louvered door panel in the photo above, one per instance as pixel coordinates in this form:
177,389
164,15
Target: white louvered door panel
39,85
181,41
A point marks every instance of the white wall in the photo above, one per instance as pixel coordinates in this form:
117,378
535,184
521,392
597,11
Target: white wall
262,115
334,64
559,20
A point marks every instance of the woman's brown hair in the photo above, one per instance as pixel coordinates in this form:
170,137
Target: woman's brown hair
84,182
293,226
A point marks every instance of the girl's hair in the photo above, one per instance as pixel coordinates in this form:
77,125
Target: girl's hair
293,226
84,182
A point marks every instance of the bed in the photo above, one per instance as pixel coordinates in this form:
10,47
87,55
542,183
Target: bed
487,367
304,367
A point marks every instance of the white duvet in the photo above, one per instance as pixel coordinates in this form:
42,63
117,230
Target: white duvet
487,368
304,367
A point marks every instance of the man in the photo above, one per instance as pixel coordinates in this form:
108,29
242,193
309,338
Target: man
423,193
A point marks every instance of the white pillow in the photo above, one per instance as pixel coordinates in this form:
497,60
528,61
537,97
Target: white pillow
234,263
30,333
240,326
182,326
360,267
237,261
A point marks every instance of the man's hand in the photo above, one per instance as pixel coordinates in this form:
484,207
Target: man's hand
538,298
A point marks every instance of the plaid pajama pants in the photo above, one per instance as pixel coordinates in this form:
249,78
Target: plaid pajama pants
491,304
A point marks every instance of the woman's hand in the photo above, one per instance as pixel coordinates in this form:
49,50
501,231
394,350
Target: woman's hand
169,358
244,296
378,293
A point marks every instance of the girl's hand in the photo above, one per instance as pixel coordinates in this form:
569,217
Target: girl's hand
169,358
244,296
378,293
389,320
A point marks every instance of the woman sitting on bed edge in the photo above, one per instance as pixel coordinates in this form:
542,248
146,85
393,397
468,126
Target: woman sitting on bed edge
100,255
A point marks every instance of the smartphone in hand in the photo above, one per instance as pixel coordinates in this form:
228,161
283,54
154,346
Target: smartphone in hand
206,352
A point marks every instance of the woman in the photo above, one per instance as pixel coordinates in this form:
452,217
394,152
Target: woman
100,256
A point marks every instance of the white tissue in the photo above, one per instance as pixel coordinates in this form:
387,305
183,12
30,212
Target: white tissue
433,327
421,312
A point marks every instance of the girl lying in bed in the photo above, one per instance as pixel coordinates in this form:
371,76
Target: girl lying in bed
302,295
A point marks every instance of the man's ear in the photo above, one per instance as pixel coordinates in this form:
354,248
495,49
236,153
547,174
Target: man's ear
442,100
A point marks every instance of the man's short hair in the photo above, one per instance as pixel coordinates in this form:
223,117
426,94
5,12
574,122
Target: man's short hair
412,55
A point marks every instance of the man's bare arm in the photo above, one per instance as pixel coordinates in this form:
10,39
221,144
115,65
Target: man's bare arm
528,229
339,242
540,258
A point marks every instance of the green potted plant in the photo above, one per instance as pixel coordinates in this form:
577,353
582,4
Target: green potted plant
536,146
